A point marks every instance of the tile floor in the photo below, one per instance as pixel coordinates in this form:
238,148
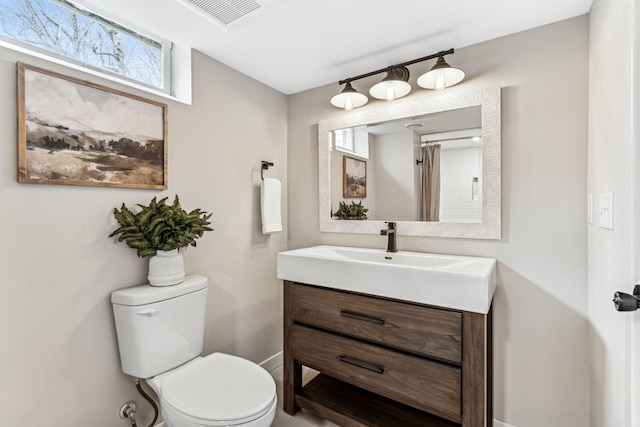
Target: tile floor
302,418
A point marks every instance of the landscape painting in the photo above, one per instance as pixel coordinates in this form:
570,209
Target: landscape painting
79,133
354,178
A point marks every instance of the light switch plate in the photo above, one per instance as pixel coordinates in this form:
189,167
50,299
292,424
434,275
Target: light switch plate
590,208
605,206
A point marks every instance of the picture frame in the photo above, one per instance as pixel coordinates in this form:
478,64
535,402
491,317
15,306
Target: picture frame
76,132
354,178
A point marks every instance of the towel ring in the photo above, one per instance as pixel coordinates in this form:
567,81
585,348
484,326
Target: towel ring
264,167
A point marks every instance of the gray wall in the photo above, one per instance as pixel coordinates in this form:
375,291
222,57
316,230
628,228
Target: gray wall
540,335
59,356
393,167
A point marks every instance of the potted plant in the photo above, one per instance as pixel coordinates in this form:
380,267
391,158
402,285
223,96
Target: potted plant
353,211
158,230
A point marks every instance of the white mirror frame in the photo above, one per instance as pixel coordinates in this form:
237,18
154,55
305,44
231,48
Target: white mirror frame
489,228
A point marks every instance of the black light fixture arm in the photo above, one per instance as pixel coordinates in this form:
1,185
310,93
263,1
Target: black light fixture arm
404,64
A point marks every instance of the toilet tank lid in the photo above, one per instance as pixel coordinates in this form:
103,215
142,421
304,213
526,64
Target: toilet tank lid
147,294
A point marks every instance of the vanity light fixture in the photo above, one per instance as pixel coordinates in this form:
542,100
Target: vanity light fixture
349,98
441,76
395,84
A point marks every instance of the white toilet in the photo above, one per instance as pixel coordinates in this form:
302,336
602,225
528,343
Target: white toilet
161,335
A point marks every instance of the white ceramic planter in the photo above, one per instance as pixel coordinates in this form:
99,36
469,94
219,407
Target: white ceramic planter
166,268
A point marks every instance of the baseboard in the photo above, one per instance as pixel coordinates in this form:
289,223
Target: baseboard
497,423
274,361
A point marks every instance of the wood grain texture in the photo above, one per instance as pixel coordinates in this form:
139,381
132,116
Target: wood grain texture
350,406
22,128
411,386
418,382
417,329
489,362
292,370
474,395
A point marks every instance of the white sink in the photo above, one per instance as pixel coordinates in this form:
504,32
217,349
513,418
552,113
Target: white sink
457,282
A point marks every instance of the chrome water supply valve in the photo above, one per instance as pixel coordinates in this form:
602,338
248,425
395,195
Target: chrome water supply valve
128,411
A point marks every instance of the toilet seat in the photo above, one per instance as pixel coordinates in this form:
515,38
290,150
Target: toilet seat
219,390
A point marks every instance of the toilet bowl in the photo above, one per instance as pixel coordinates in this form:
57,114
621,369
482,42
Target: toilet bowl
161,336
216,390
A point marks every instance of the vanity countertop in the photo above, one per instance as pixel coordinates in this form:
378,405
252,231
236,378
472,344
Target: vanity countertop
450,281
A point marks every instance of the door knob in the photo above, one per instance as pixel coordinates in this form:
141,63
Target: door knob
626,302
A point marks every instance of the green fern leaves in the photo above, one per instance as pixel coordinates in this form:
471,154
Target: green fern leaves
352,211
160,226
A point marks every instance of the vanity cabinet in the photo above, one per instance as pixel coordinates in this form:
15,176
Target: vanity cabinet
385,362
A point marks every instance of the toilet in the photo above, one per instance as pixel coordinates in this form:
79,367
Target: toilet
161,335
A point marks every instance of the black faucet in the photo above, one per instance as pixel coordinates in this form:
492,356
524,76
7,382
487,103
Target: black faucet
390,232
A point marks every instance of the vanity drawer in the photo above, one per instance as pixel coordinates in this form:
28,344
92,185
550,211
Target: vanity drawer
418,329
424,384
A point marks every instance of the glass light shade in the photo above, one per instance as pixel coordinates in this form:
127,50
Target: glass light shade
393,86
442,75
349,98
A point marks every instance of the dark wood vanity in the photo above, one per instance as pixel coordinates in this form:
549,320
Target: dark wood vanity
384,362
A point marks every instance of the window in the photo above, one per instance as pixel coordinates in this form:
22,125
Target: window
344,139
352,140
77,34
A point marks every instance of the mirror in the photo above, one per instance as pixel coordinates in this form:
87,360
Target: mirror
388,166
433,166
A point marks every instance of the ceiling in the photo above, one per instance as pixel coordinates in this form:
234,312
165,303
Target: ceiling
443,121
295,45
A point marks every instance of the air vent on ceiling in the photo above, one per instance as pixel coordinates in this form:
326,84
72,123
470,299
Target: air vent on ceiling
224,11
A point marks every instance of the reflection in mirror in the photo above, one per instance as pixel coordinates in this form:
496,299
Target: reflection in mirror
421,168
432,165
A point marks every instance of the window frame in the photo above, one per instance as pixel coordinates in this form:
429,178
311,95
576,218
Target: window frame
165,50
347,135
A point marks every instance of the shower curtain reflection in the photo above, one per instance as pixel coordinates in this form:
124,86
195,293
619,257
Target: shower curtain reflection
430,183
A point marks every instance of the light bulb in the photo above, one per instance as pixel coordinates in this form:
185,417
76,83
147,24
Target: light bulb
391,95
348,104
440,82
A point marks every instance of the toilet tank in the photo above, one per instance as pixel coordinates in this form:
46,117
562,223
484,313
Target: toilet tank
160,328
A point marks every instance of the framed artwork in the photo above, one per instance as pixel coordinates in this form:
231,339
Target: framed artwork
354,178
75,132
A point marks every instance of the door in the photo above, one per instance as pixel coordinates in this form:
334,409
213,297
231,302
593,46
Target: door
614,254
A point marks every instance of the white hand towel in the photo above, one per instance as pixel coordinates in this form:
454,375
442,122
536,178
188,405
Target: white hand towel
270,206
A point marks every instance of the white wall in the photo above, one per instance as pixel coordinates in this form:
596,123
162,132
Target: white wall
394,170
540,335
612,166
458,167
59,356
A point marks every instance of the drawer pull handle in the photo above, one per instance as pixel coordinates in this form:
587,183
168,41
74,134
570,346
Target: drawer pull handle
363,317
361,364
